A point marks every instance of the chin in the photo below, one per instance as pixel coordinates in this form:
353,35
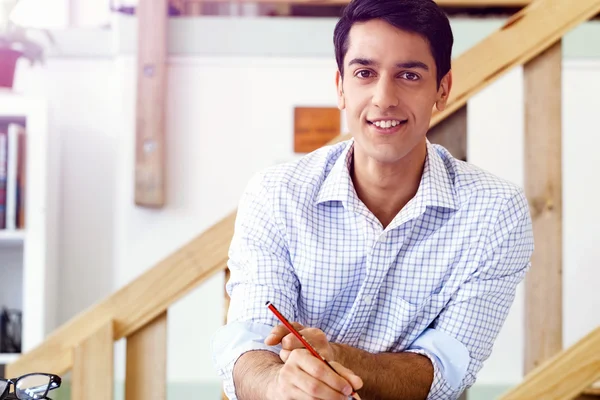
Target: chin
393,148
385,153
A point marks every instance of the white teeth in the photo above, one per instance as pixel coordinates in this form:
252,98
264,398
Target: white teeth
387,124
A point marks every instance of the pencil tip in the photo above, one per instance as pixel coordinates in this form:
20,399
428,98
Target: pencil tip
267,303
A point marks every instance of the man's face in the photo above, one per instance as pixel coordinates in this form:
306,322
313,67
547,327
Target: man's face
388,90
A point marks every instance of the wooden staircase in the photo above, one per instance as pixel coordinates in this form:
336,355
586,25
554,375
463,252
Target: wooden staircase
139,311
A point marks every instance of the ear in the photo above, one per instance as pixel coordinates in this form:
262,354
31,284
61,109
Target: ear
444,91
340,90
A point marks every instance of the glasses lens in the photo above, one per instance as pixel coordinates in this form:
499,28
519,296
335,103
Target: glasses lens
32,387
3,386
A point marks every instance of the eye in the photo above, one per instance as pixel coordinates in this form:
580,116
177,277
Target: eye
411,76
363,73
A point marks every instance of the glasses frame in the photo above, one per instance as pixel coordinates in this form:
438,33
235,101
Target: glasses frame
6,394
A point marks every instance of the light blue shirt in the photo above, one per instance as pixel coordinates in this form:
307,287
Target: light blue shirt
438,280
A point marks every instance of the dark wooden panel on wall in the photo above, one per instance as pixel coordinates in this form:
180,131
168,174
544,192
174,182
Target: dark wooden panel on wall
452,134
314,127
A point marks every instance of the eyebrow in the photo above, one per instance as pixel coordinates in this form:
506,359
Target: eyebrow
407,64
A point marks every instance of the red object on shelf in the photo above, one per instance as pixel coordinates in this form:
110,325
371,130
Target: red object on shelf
8,63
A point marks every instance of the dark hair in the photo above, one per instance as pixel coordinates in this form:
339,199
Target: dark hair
423,17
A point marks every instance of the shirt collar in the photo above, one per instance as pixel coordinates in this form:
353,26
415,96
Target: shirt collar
338,185
436,188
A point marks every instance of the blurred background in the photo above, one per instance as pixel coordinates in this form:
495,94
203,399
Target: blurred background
85,116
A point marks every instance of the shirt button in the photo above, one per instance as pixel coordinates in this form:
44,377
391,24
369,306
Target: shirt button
368,299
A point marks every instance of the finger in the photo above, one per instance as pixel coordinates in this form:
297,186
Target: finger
297,394
348,375
315,387
279,332
315,337
291,342
284,355
317,368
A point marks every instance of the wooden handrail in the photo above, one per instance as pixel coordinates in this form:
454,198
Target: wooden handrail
524,36
563,376
137,303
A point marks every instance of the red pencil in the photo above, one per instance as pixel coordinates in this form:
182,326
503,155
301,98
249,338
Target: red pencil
302,339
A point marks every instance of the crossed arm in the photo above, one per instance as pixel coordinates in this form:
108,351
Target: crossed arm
296,374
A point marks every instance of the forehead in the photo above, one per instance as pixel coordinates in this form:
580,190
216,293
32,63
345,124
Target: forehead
378,40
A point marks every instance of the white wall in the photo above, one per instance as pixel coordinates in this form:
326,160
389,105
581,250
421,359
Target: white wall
229,117
82,112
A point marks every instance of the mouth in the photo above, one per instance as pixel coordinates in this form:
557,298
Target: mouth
387,125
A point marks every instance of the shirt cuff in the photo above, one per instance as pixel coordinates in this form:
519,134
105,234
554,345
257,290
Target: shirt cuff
450,359
231,341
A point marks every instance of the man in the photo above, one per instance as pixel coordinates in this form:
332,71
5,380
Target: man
398,262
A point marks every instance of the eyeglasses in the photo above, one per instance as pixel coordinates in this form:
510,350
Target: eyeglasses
33,386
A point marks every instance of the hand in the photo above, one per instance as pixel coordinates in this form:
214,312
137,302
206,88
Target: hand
289,342
305,377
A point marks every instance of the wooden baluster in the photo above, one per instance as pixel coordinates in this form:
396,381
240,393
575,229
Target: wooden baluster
543,161
543,185
146,374
93,366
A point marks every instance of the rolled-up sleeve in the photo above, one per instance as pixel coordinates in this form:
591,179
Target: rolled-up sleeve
462,336
261,271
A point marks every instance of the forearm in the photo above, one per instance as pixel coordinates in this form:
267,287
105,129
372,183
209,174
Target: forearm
254,374
406,376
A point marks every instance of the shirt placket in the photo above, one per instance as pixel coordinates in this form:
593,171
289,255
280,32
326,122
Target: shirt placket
380,258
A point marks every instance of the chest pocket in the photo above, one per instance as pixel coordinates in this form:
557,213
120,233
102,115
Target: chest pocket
412,284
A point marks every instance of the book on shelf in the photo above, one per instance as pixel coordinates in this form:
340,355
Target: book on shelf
12,176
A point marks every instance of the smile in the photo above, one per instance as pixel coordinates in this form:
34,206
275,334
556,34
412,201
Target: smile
387,125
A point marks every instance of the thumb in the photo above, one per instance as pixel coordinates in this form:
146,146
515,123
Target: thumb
349,375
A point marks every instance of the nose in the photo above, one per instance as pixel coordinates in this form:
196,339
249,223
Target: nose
385,95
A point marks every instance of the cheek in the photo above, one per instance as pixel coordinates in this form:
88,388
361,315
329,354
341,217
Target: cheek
356,103
421,106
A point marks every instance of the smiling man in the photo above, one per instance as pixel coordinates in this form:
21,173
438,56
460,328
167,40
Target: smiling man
396,261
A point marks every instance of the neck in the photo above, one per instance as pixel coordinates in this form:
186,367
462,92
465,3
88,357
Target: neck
385,188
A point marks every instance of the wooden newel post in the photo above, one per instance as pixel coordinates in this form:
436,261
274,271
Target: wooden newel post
543,185
146,372
93,364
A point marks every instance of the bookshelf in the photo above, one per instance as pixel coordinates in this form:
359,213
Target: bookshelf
11,238
28,274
